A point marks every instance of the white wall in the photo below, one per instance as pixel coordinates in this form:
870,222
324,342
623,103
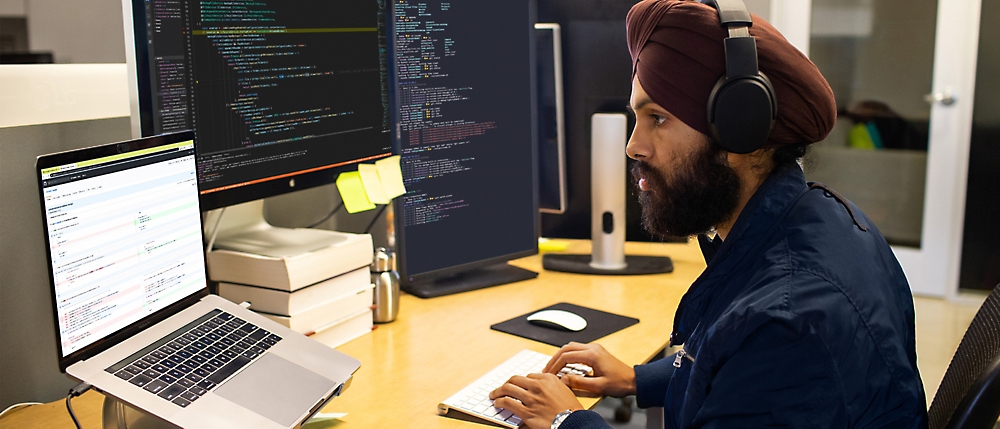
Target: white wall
12,7
77,31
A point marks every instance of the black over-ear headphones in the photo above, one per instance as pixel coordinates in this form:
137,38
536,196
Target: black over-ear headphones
741,107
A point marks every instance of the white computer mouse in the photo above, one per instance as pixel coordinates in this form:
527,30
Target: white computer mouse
558,319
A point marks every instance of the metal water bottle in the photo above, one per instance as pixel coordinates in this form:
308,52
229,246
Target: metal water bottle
386,281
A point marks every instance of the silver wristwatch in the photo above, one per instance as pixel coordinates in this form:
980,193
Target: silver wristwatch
559,418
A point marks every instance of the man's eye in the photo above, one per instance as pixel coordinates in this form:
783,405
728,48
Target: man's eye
658,119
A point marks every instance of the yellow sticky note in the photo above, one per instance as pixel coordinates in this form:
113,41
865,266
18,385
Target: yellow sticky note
373,186
352,191
548,245
391,176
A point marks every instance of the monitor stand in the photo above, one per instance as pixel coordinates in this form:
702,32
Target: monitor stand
608,135
479,278
244,229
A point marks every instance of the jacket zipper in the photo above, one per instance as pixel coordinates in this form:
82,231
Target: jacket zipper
680,358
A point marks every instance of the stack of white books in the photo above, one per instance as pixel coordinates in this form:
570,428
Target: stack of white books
325,294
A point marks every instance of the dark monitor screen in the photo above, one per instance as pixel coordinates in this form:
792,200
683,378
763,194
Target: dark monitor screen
463,79
280,94
597,77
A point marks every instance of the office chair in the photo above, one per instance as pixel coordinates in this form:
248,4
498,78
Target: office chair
969,395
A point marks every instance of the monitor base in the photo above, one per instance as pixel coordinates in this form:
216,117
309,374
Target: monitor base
634,265
493,275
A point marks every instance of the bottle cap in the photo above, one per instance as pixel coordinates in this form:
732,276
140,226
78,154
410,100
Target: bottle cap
383,261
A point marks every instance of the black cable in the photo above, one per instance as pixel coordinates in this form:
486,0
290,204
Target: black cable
77,390
375,219
329,215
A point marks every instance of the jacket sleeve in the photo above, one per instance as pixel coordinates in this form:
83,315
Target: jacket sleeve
584,419
781,375
651,381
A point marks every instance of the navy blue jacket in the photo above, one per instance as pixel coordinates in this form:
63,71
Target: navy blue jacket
802,318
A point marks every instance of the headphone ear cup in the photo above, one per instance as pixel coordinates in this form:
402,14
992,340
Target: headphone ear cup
741,112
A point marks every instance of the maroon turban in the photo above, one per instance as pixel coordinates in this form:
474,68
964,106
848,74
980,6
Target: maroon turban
677,53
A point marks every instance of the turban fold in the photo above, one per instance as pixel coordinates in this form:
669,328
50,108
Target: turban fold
678,56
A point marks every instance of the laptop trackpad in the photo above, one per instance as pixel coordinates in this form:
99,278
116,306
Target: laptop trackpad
276,388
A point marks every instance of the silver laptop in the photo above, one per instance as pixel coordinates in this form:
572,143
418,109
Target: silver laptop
133,314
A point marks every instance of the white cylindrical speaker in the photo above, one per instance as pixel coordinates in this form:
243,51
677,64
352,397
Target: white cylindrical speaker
608,134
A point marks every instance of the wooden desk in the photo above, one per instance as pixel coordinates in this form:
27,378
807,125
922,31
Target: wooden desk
437,346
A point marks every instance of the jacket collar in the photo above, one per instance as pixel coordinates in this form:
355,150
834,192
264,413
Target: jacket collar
763,213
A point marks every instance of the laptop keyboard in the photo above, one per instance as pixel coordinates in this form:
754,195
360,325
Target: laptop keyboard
196,358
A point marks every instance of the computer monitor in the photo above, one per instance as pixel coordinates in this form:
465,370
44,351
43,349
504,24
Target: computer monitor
282,96
597,78
466,132
551,129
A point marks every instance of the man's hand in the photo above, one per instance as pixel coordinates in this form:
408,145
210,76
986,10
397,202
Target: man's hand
536,399
612,377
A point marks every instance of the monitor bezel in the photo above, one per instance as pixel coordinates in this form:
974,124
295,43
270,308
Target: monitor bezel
141,121
398,228
63,158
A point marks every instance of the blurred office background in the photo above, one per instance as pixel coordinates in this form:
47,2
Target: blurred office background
886,153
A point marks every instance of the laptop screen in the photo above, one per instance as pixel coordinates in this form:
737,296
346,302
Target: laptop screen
125,239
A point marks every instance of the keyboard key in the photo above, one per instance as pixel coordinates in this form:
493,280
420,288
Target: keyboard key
206,354
203,329
211,324
171,392
199,345
514,420
214,350
133,370
213,337
155,386
227,341
206,384
189,396
198,391
193,377
223,373
167,349
245,344
201,372
233,351
182,341
225,316
264,345
215,362
168,378
150,359
140,380
181,401
178,358
190,337
141,365
199,359
124,375
248,328
158,355
222,331
186,354
223,357
159,368
184,368
168,363
150,373
185,382
209,367
257,350
258,334
249,354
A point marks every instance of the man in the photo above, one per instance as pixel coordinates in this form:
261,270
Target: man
802,317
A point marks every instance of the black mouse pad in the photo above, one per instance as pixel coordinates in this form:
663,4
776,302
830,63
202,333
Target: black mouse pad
599,324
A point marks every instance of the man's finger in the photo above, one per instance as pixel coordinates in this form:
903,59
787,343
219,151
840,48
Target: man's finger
586,357
510,390
522,382
511,404
571,346
590,384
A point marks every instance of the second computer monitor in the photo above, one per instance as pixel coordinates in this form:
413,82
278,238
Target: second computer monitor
466,133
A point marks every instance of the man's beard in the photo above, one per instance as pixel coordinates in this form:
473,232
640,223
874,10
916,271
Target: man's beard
703,193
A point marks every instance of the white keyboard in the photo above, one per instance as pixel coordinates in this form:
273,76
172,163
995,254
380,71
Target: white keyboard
474,399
